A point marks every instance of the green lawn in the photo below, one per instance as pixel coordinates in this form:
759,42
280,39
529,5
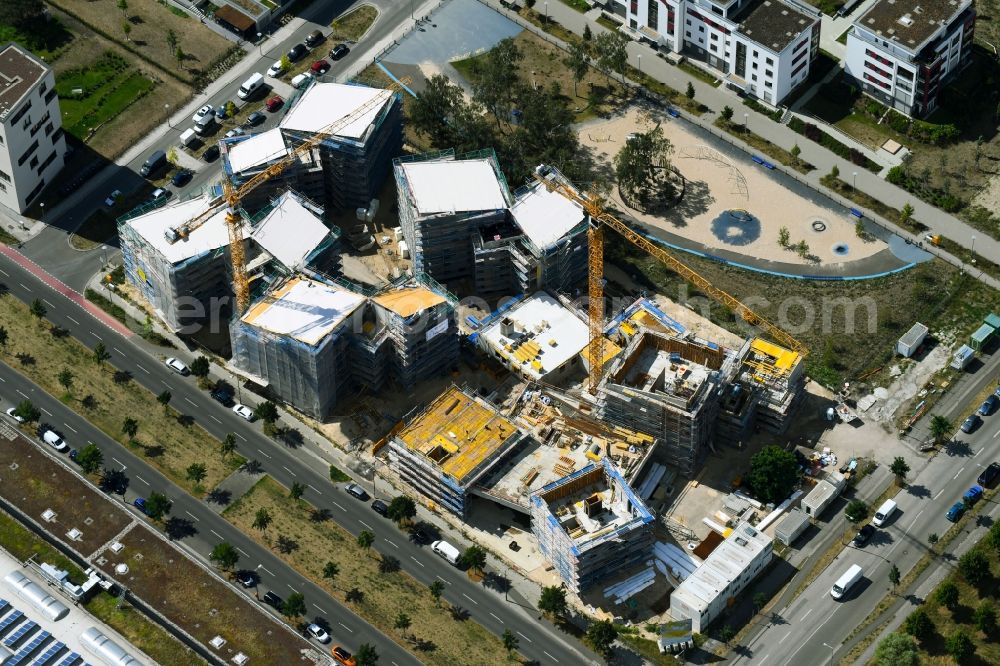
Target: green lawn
46,39
106,88
579,5
354,24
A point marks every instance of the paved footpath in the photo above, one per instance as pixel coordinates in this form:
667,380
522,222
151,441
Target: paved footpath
646,60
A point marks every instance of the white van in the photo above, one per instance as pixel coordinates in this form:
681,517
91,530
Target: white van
846,582
884,513
188,137
446,550
250,86
300,80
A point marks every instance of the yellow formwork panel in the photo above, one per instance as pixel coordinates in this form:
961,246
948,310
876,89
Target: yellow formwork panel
409,301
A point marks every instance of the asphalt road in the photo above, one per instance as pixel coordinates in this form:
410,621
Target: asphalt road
812,628
538,639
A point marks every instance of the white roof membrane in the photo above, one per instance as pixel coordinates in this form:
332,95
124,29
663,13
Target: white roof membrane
290,232
545,217
211,235
454,186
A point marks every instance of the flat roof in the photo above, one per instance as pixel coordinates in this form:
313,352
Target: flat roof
774,24
723,566
454,186
325,103
303,309
20,70
910,22
211,235
457,433
547,335
256,150
290,232
546,217
409,301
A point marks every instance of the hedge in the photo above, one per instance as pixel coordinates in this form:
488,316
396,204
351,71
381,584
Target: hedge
763,110
935,196
814,133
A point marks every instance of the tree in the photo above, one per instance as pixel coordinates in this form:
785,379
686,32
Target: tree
200,367
179,55
366,539
130,427
158,505
906,213
859,227
897,650
726,633
497,79
932,539
689,93
297,490
27,411
196,472
354,595
225,556
172,158
366,655
401,509
510,642
294,606
127,29
4,336
856,510
402,622
947,595
940,427
601,635
612,55
89,458
835,172
587,34
795,152
577,62
727,113
433,112
101,353
759,601
985,617
960,646
164,399
974,567
918,624
388,564
262,520
436,589
66,379
899,469
553,601
228,445
773,474
894,576
38,308
802,249
642,167
531,5
267,412
993,536
783,236
474,557
20,12
331,571
171,40
123,5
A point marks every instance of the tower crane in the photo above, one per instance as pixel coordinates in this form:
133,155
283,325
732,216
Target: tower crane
232,195
599,219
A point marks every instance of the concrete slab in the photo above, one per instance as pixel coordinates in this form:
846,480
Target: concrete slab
459,29
233,487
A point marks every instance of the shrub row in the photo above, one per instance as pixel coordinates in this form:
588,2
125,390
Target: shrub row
814,133
917,186
760,108
920,130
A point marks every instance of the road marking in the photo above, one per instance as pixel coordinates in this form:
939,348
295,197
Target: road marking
46,411
47,303
261,566
96,335
470,598
73,320
142,479
346,627
119,351
319,609
957,473
416,560
189,401
292,588
119,462
914,521
191,514
6,274
365,524
939,493
70,427
243,552
448,582
785,636
391,543
497,619
25,286
978,452
525,637
212,416
240,436
763,659
341,508
142,368
996,434
551,657
24,394
217,534
167,385
290,471
261,452
806,615
315,490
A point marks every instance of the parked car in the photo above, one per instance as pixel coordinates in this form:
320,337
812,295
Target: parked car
221,113
318,632
181,178
989,405
256,118
274,103
202,114
53,439
273,600
863,536
245,412
73,453
276,69
113,198
342,656
159,193
339,51
989,475
11,414
321,67
955,512
140,503
297,52
246,578
211,153
380,507
972,495
177,366
357,491
314,38
223,394
971,423
236,131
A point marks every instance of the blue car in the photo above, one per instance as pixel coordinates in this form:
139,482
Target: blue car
956,511
972,495
989,405
140,503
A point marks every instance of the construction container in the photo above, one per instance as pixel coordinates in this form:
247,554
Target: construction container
910,342
982,337
962,357
823,494
791,527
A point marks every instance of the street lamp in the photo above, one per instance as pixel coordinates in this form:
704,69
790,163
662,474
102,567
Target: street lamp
854,180
639,56
746,122
973,248
260,43
546,13
41,214
166,107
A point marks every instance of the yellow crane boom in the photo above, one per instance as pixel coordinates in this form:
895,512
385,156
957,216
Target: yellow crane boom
595,307
232,196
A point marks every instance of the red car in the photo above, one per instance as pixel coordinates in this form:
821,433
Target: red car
320,67
274,103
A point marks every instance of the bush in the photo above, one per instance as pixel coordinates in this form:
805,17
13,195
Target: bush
763,110
814,133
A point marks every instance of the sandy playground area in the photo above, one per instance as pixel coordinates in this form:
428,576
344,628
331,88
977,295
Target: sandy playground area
718,181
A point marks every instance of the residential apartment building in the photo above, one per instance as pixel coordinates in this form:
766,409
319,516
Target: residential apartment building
32,145
764,47
902,52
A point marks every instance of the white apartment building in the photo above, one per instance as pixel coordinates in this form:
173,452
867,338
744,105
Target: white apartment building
32,145
763,47
902,52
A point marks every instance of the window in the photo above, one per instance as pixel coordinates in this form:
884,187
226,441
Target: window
24,156
49,97
34,193
49,128
687,21
768,73
769,61
753,77
687,33
48,160
3,188
4,175
713,48
767,84
701,28
753,65
652,13
715,37
33,163
37,126
57,135
17,116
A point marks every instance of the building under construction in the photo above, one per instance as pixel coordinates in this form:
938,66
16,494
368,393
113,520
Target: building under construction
450,445
590,525
346,170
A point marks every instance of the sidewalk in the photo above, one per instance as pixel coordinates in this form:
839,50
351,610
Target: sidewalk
647,61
